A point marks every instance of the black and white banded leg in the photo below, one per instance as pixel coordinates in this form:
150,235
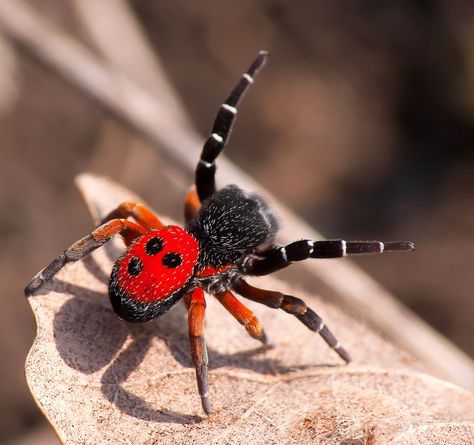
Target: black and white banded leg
294,306
206,168
276,258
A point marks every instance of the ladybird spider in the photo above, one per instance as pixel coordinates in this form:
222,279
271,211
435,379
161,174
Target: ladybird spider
228,233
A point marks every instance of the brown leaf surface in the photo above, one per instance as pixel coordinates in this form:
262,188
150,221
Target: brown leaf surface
101,380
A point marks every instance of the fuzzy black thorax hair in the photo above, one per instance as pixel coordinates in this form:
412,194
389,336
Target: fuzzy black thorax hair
231,223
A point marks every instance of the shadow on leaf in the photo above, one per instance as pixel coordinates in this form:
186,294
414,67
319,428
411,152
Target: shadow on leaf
89,336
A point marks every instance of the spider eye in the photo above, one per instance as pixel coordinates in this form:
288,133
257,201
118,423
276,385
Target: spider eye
172,260
153,246
135,266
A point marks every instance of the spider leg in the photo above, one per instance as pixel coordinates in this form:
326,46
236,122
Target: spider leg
142,215
196,309
243,315
294,306
191,204
83,247
276,258
206,168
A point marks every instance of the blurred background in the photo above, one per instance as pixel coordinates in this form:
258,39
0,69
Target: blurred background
362,123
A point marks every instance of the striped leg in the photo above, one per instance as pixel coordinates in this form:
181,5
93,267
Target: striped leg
83,247
243,315
206,168
294,306
277,258
196,309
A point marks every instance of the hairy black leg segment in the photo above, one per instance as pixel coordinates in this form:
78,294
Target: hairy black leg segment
206,168
276,258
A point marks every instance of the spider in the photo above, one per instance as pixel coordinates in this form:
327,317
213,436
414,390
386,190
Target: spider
228,234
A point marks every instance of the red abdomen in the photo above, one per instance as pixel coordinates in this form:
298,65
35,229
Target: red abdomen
153,273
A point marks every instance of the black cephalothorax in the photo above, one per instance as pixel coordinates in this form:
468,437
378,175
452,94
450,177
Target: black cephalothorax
231,223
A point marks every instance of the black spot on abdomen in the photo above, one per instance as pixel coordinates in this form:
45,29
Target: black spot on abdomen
135,266
172,260
153,246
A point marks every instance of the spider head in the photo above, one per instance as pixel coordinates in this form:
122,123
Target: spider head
230,224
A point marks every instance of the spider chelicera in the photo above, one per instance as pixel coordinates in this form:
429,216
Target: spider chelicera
229,233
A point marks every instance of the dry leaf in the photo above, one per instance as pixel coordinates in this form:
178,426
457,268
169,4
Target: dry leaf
100,380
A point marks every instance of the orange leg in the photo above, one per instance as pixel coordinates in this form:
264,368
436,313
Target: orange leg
83,247
196,304
192,204
294,306
243,315
142,215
